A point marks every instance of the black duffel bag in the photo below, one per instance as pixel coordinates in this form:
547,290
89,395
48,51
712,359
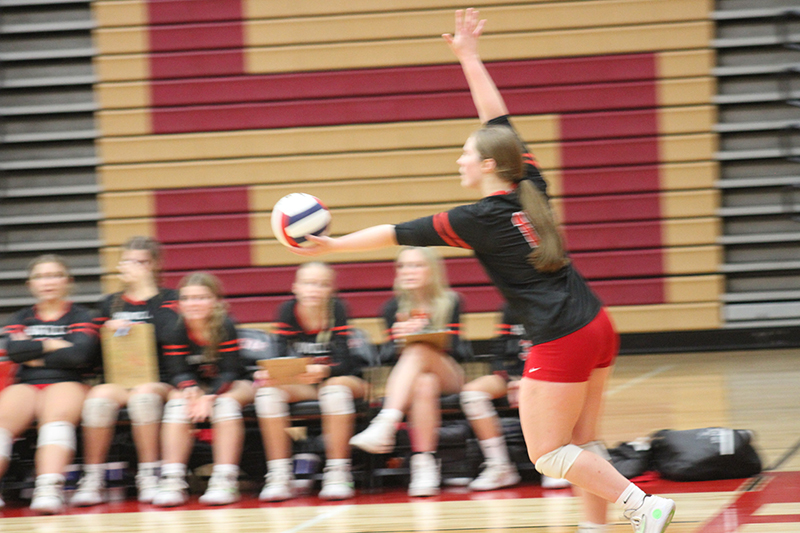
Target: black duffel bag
704,454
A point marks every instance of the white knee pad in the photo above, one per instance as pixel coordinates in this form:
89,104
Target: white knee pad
6,443
597,448
145,409
476,404
175,412
99,413
271,402
57,434
226,408
336,400
557,463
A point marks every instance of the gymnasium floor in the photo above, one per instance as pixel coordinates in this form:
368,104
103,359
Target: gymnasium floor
743,390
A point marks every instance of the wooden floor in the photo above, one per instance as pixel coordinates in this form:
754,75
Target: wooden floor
743,390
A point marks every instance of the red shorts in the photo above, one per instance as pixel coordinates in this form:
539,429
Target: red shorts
572,358
41,386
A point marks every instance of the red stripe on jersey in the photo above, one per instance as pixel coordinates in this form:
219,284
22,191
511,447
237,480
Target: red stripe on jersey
530,159
441,223
232,349
524,225
187,384
175,346
187,352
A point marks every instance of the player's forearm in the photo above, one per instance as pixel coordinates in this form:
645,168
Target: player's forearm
487,98
372,238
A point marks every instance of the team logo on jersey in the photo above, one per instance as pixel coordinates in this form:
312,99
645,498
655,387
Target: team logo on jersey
524,225
41,330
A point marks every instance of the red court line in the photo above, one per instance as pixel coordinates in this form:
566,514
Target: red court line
183,11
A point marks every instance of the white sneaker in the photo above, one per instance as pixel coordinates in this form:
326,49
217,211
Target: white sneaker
378,438
90,490
278,487
653,516
48,495
172,491
337,484
553,483
222,490
495,476
425,477
146,485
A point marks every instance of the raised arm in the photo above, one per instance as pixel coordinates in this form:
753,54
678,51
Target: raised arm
464,45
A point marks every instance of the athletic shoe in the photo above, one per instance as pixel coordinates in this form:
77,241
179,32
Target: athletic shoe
554,483
222,490
146,484
337,484
425,477
48,495
172,491
653,516
378,438
278,487
495,476
90,490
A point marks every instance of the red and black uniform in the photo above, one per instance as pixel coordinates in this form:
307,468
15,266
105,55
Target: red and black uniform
510,347
458,348
326,347
160,310
550,305
67,364
187,366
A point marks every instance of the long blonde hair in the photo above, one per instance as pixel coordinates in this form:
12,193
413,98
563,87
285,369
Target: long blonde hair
325,333
437,291
216,322
503,146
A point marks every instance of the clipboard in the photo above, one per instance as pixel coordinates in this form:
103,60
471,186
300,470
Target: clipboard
284,370
129,356
437,339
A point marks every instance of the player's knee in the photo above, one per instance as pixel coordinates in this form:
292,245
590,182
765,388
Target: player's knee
99,412
57,434
6,443
427,387
336,400
557,463
597,448
272,402
226,408
175,412
476,405
145,409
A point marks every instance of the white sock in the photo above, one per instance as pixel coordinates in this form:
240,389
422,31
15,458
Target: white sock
395,415
231,471
152,467
590,527
97,469
47,479
173,469
338,464
280,465
495,450
631,498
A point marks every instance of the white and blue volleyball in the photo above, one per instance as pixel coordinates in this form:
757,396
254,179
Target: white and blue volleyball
298,215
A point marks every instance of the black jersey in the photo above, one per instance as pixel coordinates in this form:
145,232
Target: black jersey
550,305
67,364
458,348
326,347
186,364
510,347
160,310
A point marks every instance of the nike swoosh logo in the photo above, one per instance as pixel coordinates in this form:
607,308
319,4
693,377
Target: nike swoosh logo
532,370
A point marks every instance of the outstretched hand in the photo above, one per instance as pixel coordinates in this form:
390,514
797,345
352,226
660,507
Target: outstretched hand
322,245
468,28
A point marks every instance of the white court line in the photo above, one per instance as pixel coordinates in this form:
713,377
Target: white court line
637,380
319,518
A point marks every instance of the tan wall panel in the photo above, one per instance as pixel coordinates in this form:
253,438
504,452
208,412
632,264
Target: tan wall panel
415,24
116,232
123,95
692,259
694,289
667,317
120,13
699,147
129,122
694,119
127,205
132,40
683,204
685,63
672,92
122,67
690,231
596,41
701,175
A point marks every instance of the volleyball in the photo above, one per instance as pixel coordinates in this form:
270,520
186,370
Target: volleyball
298,215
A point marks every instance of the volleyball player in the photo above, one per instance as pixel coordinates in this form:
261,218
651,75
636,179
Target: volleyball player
513,234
